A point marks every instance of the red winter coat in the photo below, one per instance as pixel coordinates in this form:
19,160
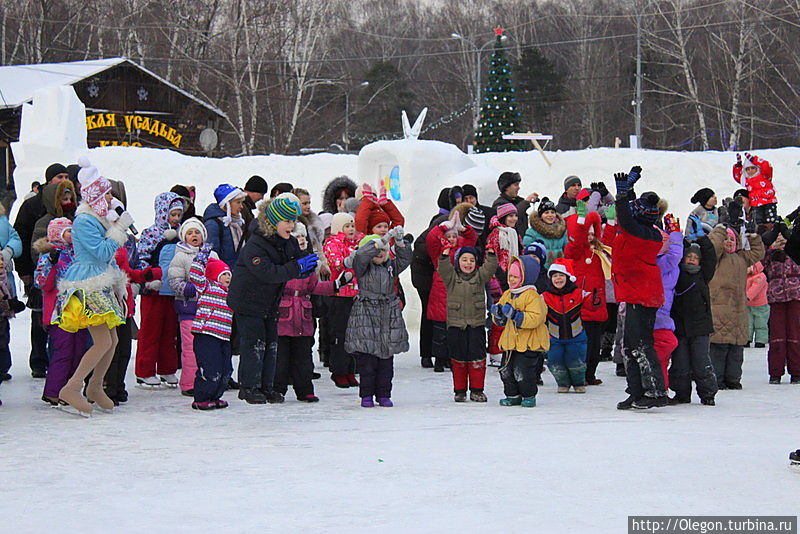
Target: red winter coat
435,243
636,276
367,206
588,265
759,186
337,248
294,310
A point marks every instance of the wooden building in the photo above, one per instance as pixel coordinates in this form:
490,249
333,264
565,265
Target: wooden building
126,105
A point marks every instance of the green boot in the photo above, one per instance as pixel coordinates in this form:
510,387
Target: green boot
511,401
529,402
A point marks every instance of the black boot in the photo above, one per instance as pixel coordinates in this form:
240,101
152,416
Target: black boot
645,403
426,362
674,401
708,401
621,370
438,367
273,397
233,384
252,396
627,404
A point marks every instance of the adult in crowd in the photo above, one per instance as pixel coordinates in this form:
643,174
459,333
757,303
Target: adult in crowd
508,184
566,204
29,213
224,223
471,195
336,193
280,188
35,185
59,200
255,189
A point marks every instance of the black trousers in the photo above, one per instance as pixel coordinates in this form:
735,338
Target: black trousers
38,360
340,362
518,373
610,330
691,360
258,344
295,365
375,376
115,376
642,366
594,340
439,346
214,367
425,325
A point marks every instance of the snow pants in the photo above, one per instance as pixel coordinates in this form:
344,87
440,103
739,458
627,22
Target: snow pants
214,367
784,339
340,362
691,361
467,357
727,360
375,375
258,345
643,370
609,331
664,342
594,331
758,323
295,365
68,349
566,359
188,359
518,373
156,349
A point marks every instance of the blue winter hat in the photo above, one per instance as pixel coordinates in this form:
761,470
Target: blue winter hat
224,193
538,249
645,208
465,250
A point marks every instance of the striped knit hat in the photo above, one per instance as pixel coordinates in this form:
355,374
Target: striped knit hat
645,208
283,209
476,219
505,209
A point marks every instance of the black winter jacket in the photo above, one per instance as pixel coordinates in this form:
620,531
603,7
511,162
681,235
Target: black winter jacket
691,308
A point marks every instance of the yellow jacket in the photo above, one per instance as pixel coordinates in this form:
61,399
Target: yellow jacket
533,333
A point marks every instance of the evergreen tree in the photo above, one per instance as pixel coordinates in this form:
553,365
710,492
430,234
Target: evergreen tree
499,113
541,87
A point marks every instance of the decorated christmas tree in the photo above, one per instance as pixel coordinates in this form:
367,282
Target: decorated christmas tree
499,113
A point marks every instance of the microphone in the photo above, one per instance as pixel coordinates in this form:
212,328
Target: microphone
120,210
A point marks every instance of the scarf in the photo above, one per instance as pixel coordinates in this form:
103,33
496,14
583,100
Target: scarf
509,240
604,253
229,219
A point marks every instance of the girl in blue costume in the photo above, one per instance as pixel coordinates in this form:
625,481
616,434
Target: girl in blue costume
92,292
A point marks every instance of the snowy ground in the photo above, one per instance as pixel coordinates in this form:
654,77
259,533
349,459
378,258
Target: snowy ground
573,464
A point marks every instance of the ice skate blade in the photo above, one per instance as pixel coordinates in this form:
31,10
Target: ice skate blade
148,387
66,408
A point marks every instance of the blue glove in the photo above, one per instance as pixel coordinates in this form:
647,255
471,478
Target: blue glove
497,315
697,224
508,311
307,263
518,318
621,179
634,175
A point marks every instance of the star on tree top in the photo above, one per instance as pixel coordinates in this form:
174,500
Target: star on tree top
499,31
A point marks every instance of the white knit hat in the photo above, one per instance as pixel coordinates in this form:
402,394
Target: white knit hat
188,224
339,220
299,229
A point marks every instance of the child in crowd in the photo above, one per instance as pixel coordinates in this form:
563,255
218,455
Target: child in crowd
10,248
691,311
376,215
296,327
755,174
757,306
505,242
376,330
224,223
193,235
548,226
783,295
342,242
705,216
668,261
466,318
521,312
55,256
212,330
156,349
567,355
729,302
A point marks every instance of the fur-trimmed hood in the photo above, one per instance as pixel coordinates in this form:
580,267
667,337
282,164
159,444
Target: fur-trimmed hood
266,228
329,195
52,195
550,231
315,227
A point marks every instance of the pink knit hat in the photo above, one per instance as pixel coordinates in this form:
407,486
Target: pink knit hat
505,209
55,231
215,269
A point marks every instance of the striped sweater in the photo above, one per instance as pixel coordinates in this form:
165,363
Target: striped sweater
214,317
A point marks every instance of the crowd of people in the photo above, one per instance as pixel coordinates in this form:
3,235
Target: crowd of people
524,284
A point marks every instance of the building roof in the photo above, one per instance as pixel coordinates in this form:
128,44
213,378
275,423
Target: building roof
19,82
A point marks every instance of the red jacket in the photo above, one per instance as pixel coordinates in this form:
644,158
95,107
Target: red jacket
367,206
587,264
759,186
337,248
435,244
636,276
135,276
564,311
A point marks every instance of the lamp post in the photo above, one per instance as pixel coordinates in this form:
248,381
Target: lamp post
478,51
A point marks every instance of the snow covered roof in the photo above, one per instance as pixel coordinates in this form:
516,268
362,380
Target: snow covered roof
19,82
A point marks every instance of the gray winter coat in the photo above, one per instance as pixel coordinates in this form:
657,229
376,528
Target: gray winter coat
376,323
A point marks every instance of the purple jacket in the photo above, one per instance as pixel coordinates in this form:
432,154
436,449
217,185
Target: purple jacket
294,310
783,277
668,263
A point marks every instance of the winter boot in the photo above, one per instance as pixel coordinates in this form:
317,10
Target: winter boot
204,405
579,389
426,362
528,402
477,396
627,404
385,402
308,398
351,379
341,381
734,385
252,396
674,401
645,403
774,380
621,370
563,389
188,393
593,381
708,401
273,397
150,382
511,401
460,396
794,460
367,402
438,366
233,384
